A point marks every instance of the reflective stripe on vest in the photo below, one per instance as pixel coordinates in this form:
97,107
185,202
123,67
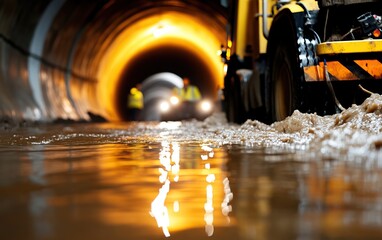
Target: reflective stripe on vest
191,93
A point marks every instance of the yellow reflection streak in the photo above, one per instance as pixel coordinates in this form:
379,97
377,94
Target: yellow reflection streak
207,166
209,209
164,157
169,157
159,210
191,216
175,158
208,206
163,175
176,206
210,178
228,196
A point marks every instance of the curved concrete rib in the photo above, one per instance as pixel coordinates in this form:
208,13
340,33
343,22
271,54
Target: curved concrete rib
36,48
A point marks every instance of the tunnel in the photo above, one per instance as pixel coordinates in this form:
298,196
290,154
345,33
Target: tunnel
76,59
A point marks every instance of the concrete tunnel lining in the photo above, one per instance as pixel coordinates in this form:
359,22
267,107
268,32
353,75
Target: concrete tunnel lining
112,38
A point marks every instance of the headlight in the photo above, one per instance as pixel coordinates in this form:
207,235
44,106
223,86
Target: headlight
164,106
174,100
205,106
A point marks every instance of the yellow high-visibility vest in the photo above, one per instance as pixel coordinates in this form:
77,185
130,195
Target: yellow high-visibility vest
135,99
191,93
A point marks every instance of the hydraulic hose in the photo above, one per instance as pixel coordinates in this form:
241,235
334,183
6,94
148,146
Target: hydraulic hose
330,86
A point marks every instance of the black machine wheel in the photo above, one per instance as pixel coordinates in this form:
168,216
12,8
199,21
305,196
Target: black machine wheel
284,77
233,103
283,90
232,93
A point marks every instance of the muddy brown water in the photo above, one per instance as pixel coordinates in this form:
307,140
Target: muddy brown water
307,177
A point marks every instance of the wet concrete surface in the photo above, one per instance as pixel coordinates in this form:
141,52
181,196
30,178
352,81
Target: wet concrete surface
180,180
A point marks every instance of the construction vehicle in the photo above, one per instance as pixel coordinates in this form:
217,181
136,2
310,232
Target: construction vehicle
317,56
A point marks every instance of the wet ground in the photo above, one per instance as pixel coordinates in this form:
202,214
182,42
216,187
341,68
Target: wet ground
307,177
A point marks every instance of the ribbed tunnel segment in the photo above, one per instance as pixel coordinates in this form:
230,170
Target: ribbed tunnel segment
67,59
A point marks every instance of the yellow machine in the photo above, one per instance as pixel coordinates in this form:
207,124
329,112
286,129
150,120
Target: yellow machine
311,55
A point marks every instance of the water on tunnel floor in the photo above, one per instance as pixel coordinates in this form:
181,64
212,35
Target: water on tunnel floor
180,180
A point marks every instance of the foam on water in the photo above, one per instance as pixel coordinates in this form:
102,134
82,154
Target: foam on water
356,132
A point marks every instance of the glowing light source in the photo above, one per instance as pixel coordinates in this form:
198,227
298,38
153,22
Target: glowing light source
377,33
206,106
164,106
174,100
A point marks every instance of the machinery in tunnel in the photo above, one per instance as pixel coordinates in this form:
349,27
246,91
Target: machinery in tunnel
306,55
169,58
66,59
158,88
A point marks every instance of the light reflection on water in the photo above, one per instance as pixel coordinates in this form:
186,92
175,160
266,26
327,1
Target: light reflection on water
104,182
169,174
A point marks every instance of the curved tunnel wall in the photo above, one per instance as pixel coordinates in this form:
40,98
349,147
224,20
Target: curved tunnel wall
16,98
64,58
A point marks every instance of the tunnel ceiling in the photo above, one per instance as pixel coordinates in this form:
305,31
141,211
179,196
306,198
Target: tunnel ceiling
167,58
89,48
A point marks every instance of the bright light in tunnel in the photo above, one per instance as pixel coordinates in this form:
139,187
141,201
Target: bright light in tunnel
164,106
206,106
166,28
174,100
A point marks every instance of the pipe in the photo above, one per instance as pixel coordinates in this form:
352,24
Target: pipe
265,19
330,86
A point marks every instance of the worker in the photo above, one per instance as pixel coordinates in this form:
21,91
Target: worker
135,103
188,95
